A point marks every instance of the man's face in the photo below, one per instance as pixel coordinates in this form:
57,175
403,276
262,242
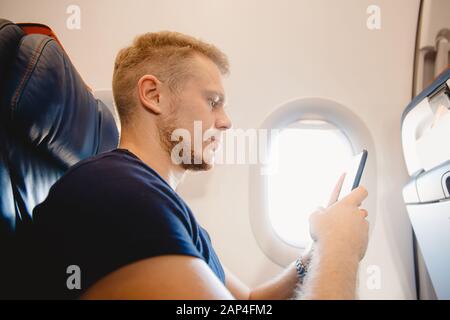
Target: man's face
197,109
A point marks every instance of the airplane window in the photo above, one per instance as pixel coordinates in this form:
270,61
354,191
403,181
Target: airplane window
310,158
447,182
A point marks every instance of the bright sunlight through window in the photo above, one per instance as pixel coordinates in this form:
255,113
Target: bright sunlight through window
311,157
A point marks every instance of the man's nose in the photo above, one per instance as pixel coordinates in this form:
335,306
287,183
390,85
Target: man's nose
223,122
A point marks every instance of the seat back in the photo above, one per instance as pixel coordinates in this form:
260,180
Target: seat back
50,120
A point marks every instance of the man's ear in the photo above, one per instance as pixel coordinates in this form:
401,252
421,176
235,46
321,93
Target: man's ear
149,92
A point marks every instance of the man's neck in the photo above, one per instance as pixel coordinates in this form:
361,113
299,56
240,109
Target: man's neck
155,157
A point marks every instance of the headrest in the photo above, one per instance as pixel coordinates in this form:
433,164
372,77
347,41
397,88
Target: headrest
38,28
48,104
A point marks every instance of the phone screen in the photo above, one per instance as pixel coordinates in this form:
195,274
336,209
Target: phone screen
353,174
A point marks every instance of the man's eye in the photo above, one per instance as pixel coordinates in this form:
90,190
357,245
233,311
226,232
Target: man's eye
212,103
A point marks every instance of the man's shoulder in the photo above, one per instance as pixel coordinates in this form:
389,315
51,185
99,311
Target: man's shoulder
109,189
112,178
108,169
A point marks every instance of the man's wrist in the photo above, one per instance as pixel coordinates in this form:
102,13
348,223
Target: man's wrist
337,250
301,267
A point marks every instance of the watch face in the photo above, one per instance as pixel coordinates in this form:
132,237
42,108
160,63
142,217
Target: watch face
301,269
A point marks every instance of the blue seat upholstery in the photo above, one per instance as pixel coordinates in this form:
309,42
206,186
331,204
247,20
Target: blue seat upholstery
49,121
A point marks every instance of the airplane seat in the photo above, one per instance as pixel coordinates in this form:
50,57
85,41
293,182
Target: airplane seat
425,132
50,120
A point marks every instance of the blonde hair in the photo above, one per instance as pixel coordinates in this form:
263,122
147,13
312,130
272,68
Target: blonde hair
164,54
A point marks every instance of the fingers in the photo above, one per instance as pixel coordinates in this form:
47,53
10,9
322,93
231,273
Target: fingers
337,190
315,214
357,196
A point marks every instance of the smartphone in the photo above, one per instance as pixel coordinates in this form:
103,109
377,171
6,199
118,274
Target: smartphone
353,174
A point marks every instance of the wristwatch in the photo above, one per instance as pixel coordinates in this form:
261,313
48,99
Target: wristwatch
302,269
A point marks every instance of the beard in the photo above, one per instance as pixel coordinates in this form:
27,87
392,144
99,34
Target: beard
194,162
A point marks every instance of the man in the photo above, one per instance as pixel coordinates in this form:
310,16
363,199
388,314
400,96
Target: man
117,219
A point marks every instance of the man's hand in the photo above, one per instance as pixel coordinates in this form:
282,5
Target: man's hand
336,191
340,234
342,226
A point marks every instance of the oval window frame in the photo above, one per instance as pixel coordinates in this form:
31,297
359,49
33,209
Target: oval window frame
311,108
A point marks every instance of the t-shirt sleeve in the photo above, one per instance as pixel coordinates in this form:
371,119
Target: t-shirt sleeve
122,223
151,223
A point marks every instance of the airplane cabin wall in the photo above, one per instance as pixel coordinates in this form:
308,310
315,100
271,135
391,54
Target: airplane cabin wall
279,50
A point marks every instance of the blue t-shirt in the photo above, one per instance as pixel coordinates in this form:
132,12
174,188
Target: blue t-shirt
106,212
